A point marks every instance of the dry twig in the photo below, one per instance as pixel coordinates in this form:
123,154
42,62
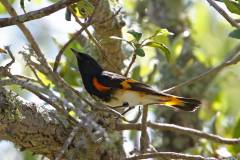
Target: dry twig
92,38
67,142
130,64
181,130
170,155
229,61
27,34
35,14
11,55
224,13
60,53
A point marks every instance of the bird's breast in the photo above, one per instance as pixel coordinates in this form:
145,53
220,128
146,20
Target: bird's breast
133,98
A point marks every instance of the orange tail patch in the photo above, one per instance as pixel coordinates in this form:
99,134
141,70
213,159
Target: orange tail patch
185,104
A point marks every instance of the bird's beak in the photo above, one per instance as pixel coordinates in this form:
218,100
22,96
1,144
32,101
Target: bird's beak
77,53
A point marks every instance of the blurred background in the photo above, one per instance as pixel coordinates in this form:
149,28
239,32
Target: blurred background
199,42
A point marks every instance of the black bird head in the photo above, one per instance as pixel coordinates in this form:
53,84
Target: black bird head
86,64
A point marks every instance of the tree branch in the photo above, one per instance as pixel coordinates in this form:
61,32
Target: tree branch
35,14
130,64
170,155
144,139
181,130
60,53
29,127
223,13
235,58
27,34
67,142
11,55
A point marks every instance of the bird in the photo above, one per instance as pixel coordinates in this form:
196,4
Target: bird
117,90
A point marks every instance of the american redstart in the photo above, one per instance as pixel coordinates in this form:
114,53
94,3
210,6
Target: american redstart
117,90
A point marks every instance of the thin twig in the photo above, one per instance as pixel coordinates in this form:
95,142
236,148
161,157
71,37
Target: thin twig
130,64
117,114
36,75
27,34
59,55
36,14
53,100
144,140
84,26
59,108
237,20
93,39
86,30
229,61
181,130
170,155
224,13
11,55
67,142
21,77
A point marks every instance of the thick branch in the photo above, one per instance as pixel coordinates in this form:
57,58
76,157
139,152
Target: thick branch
35,14
28,127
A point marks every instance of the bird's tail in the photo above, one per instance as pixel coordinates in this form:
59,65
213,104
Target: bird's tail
185,104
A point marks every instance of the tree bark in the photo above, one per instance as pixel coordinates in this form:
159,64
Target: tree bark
30,126
111,56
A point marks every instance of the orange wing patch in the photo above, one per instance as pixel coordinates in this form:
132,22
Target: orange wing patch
100,87
125,84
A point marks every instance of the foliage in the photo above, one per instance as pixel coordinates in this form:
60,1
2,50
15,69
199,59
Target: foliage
152,41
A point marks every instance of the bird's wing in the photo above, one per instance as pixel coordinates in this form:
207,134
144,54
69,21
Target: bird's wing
117,81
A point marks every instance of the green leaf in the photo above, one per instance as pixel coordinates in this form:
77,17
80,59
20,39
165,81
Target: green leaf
135,34
161,46
235,34
136,72
232,6
85,8
140,52
163,32
122,39
161,36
